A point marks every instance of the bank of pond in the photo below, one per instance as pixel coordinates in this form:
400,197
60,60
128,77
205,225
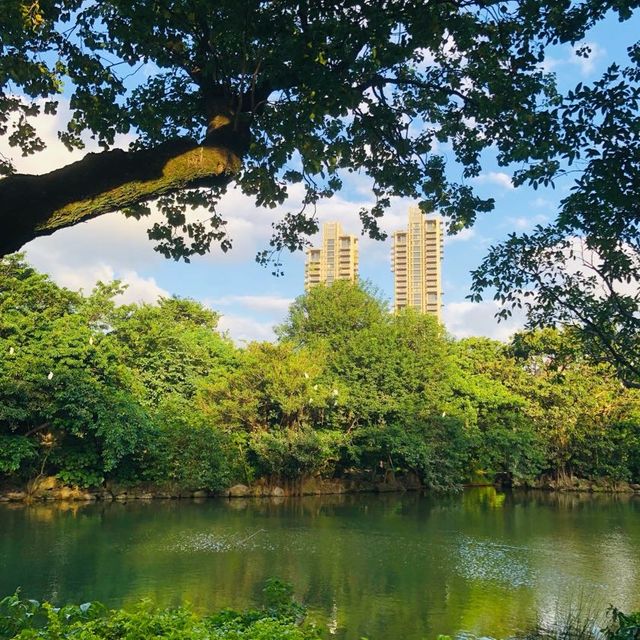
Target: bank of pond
50,489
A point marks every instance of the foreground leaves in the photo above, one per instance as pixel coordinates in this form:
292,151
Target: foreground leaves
281,619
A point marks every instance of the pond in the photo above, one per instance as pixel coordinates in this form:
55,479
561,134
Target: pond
382,566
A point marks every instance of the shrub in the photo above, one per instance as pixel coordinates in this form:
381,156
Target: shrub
281,619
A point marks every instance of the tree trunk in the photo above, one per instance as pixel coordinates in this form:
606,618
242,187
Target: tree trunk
38,205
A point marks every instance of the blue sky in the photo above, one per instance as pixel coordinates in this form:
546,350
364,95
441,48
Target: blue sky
249,297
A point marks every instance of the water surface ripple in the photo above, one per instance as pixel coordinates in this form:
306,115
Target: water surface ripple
389,566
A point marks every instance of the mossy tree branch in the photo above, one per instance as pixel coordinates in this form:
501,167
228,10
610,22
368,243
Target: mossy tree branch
100,183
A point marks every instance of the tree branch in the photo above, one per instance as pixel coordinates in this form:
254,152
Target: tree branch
40,427
617,355
37,205
380,81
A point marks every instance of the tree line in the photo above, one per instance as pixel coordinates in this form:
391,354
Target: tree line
92,392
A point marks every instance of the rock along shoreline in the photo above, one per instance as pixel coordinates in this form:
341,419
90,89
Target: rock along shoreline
49,489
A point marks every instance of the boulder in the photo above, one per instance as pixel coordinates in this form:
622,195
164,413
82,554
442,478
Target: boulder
239,491
311,486
623,487
583,485
277,492
16,496
411,482
389,486
201,493
48,483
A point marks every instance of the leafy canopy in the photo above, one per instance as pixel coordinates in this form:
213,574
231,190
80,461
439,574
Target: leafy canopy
583,269
100,395
302,91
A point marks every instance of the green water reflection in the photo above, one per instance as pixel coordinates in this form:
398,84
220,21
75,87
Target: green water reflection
394,566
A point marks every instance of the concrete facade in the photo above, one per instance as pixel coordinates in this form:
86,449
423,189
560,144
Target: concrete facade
416,262
337,259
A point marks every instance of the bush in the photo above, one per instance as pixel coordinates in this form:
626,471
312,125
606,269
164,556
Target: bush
623,626
281,619
434,448
291,453
15,452
188,452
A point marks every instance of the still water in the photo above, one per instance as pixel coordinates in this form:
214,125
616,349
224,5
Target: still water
391,566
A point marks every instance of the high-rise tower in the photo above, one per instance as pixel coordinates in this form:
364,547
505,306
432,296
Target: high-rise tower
336,260
416,258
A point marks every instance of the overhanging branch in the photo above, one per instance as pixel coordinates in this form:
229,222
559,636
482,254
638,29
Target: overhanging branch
37,205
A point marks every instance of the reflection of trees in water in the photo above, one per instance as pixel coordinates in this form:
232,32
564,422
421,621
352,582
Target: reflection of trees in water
369,564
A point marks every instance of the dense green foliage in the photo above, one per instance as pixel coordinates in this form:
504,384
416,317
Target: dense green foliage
280,619
93,392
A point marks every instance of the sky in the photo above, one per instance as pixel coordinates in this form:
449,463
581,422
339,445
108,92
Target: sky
250,299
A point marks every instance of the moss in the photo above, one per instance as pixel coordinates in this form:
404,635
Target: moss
189,168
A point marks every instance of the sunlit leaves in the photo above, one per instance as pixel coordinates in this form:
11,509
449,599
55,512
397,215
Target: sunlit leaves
177,236
310,91
584,268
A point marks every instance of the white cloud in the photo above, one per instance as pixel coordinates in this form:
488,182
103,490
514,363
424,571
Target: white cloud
112,239
76,279
586,66
243,329
55,154
345,211
250,227
109,248
543,202
139,288
274,304
462,236
522,223
581,259
495,177
466,319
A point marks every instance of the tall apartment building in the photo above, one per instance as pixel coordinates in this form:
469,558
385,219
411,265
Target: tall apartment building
416,261
336,260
